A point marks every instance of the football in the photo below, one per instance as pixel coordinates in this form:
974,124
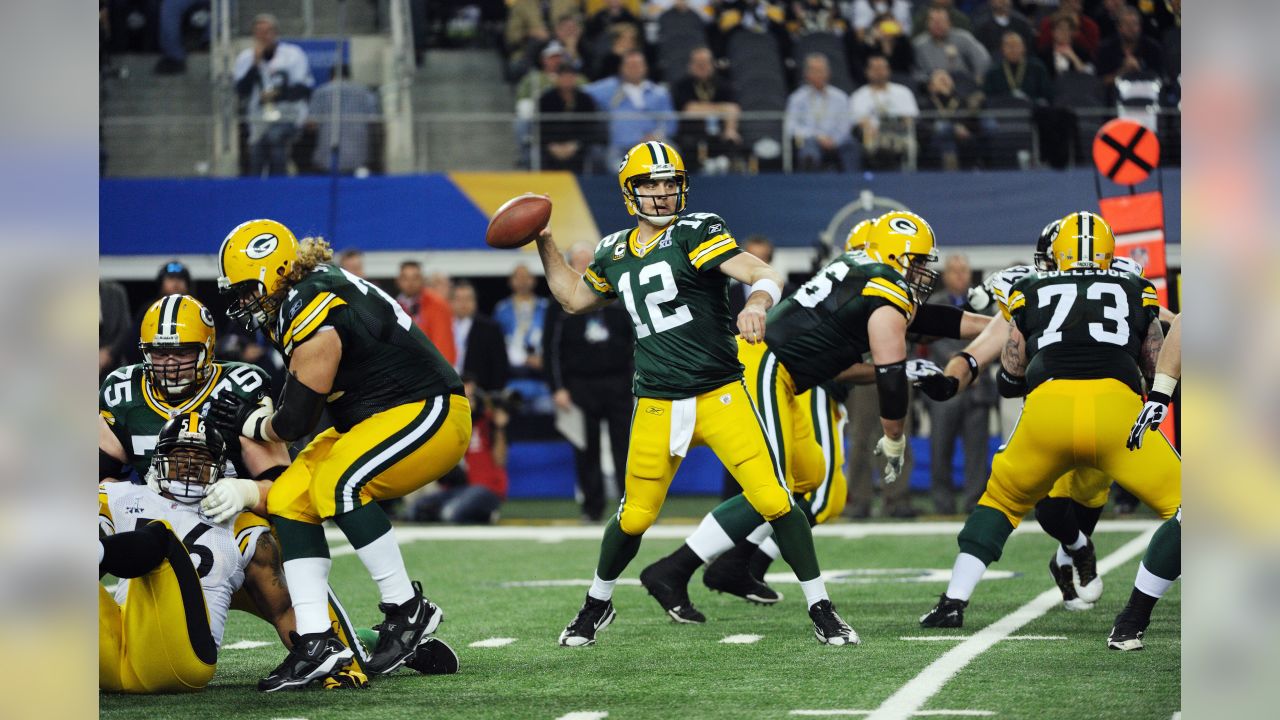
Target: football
518,221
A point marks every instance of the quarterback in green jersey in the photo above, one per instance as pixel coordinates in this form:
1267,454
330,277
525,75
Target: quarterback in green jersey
671,272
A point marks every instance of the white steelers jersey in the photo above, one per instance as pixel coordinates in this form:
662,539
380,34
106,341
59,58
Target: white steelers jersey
218,556
1000,283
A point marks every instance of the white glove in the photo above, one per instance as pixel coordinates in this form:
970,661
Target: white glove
229,497
979,298
153,479
920,369
893,451
1149,419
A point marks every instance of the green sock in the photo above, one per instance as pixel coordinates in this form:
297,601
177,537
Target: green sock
737,517
363,525
1164,554
984,534
617,550
795,539
299,539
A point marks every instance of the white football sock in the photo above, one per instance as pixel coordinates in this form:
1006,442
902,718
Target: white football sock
965,575
709,541
770,548
308,580
760,534
1080,542
385,564
601,589
1150,583
1063,558
102,552
815,590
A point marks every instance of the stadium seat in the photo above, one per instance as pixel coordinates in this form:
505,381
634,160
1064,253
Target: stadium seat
758,81
831,46
679,33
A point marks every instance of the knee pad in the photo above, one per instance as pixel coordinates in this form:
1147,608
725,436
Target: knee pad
633,520
772,502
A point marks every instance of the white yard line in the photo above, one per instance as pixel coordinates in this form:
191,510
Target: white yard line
958,638
492,643
584,715
247,645
741,639
911,697
921,713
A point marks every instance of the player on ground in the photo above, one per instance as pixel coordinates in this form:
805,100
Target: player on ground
161,630
1162,564
672,273
400,422
1083,336
816,341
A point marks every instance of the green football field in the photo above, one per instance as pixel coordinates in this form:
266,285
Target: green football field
1020,655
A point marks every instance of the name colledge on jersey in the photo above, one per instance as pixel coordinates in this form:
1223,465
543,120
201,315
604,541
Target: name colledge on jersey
1077,272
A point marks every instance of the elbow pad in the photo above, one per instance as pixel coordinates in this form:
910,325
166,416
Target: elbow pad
1010,386
936,320
299,410
109,467
892,387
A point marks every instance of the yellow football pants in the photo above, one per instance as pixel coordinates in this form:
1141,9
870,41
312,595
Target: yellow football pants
805,430
727,422
159,641
385,456
1069,424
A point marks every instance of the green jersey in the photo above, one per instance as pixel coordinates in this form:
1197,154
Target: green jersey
679,306
1083,324
135,412
386,359
821,329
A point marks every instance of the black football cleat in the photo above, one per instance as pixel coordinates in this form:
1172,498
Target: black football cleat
1128,631
402,631
731,573
314,655
594,616
829,628
948,613
434,657
1088,583
1063,578
671,593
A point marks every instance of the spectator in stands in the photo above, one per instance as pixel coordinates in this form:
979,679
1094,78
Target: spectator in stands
866,14
602,391
435,314
967,416
477,340
358,125
1171,41
958,20
1107,16
568,144
529,24
952,134
625,95
274,79
948,48
352,260
613,13
522,317
115,334
759,16
1017,74
1087,34
820,120
622,39
568,33
884,113
530,89
711,142
999,19
173,278
173,52
1130,51
1064,55
810,16
884,37
471,493
410,286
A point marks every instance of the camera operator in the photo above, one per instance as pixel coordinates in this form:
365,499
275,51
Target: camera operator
274,79
472,492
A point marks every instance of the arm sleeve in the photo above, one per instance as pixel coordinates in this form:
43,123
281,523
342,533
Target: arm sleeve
937,320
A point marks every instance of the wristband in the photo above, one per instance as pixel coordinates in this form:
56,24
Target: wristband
769,287
1164,385
973,365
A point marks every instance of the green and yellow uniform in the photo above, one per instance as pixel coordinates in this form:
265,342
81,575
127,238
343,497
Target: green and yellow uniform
400,419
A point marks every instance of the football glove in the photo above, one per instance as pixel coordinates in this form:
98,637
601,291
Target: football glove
917,369
229,497
930,378
236,415
893,451
979,298
1153,413
346,679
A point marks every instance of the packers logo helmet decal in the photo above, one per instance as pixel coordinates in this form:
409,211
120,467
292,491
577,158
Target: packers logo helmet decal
903,225
262,246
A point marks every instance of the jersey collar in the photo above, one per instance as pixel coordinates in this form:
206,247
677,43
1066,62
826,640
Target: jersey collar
164,409
633,242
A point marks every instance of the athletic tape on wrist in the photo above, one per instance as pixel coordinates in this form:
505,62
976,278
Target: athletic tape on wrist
769,286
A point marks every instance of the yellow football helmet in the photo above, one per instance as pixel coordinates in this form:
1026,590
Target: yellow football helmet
652,161
252,265
177,323
905,242
1084,240
857,239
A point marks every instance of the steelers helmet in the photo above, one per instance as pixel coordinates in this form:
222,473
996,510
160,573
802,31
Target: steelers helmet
857,239
1084,240
1044,260
652,160
252,265
177,322
905,242
189,457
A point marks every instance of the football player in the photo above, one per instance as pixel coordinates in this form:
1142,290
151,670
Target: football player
671,272
179,374
161,630
1162,564
400,422
1082,339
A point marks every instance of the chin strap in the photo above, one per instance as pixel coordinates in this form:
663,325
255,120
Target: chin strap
658,220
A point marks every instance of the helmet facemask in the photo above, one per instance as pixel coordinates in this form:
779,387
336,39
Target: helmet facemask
921,278
250,305
1043,258
176,380
659,172
185,469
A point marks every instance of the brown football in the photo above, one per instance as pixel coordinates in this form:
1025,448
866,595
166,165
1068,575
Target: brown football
518,221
